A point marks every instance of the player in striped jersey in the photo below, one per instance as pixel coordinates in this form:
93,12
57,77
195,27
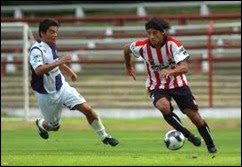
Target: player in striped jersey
165,60
51,89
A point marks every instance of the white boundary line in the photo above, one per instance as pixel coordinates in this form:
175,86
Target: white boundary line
128,113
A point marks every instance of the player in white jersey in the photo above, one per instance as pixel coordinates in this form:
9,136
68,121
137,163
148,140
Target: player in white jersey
51,89
165,60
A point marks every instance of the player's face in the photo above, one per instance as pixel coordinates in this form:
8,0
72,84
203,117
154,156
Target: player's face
155,37
50,35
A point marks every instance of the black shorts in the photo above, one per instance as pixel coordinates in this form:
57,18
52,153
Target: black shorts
182,95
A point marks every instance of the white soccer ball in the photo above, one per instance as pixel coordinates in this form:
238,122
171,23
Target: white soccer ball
174,140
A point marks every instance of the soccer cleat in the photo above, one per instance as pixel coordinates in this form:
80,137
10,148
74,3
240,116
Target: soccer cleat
196,141
43,133
111,141
212,149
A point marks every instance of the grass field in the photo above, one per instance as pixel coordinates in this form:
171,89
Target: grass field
141,143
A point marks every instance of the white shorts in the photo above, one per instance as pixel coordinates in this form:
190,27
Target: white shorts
51,104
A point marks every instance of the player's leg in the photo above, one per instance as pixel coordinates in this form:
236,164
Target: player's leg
87,110
45,126
51,112
96,123
75,101
188,106
52,117
162,100
164,105
202,127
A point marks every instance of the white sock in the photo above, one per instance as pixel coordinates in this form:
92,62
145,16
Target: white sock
41,124
99,128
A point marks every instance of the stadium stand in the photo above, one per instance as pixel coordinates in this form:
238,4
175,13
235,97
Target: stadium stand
121,20
99,63
131,8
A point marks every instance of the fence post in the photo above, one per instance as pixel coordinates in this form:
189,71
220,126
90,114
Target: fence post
79,12
118,22
210,64
18,13
3,69
141,11
204,11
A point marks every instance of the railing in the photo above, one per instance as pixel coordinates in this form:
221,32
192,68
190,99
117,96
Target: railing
18,11
226,38
120,20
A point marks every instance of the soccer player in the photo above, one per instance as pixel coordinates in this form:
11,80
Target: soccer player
51,89
165,60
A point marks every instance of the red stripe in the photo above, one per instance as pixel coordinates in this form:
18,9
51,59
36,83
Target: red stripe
147,67
141,52
183,82
141,42
167,52
149,75
167,83
171,54
175,82
169,38
160,59
159,54
152,63
171,50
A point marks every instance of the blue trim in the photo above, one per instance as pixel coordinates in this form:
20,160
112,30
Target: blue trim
37,82
58,82
53,49
38,40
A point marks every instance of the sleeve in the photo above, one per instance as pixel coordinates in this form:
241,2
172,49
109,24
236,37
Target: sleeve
135,49
36,58
179,53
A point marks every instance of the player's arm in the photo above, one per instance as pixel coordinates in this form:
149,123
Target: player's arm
128,63
181,68
42,69
68,72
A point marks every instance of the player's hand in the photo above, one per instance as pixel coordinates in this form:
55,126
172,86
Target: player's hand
65,59
73,77
131,72
164,73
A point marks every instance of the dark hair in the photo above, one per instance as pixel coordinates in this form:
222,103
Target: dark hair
158,24
46,24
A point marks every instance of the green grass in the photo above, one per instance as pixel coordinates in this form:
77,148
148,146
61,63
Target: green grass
141,143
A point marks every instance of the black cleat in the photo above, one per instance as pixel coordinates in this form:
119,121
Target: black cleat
212,150
43,133
111,141
196,141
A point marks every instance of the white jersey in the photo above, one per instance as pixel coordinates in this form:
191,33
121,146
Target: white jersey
155,59
52,91
40,54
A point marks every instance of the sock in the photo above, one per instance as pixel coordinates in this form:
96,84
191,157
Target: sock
205,133
99,128
175,122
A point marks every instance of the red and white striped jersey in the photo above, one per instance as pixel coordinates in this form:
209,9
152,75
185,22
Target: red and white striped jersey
155,59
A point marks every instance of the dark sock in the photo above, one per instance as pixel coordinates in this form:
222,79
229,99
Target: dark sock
205,133
175,122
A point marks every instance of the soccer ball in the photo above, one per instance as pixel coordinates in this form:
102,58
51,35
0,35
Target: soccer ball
174,140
